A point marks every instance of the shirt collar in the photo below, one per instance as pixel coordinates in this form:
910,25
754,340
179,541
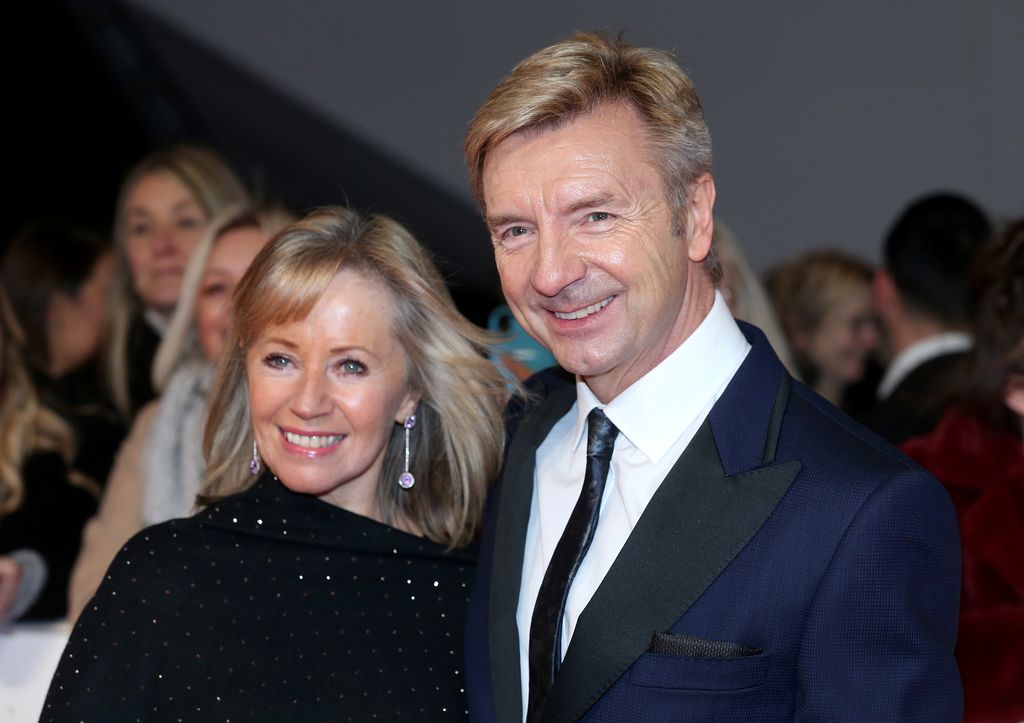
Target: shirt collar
916,354
653,411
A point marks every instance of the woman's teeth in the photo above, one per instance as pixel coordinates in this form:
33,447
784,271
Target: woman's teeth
313,441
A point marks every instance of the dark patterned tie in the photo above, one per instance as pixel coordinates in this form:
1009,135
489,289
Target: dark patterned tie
546,624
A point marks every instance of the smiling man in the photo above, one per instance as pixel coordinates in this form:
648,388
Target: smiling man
685,533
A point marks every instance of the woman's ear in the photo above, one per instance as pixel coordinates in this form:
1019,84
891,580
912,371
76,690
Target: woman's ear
407,408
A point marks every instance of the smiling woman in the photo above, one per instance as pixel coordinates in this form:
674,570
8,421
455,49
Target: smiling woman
347,369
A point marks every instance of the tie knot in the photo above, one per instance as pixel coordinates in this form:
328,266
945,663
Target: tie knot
601,434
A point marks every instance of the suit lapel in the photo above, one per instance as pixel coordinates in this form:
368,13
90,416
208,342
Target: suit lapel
694,526
710,505
510,540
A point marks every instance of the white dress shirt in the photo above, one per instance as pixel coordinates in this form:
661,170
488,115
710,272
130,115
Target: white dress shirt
657,416
917,354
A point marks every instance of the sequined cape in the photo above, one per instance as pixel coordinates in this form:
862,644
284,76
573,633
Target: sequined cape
270,605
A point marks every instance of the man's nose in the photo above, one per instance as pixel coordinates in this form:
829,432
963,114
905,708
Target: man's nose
559,263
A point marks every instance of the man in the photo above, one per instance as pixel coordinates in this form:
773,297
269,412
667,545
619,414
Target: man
921,299
745,552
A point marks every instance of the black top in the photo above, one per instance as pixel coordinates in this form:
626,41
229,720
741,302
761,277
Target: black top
49,520
143,342
270,605
917,403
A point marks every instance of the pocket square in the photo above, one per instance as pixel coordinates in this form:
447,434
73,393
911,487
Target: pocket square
689,646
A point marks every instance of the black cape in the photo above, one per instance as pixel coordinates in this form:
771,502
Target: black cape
270,605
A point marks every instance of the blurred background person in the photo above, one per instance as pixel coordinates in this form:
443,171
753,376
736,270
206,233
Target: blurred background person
42,508
920,295
745,294
57,278
163,208
977,451
355,426
160,466
823,301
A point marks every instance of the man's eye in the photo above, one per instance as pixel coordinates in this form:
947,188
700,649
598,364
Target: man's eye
598,216
516,231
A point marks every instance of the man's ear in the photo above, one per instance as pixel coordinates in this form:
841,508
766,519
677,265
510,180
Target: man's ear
883,291
700,218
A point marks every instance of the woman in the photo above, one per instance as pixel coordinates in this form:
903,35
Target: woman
164,206
823,301
977,451
57,278
160,466
42,509
354,427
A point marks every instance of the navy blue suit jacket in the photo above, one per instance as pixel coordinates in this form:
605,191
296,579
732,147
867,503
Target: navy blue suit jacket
791,566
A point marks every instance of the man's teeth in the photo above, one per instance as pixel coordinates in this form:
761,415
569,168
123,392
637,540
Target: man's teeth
313,441
583,313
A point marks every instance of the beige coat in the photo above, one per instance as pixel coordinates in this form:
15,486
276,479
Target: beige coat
119,516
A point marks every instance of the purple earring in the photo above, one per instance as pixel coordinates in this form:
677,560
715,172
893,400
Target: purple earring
254,465
406,480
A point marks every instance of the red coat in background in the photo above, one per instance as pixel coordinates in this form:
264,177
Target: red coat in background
983,470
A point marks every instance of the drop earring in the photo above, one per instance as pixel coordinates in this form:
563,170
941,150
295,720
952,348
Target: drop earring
406,480
254,465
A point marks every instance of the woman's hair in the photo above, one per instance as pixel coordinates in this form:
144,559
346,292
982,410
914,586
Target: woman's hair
43,259
997,316
213,185
804,290
746,295
25,426
180,342
456,444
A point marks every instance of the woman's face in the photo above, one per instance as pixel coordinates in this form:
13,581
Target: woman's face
326,393
840,345
74,324
230,257
162,224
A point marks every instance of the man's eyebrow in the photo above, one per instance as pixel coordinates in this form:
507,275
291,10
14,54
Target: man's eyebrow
590,202
507,218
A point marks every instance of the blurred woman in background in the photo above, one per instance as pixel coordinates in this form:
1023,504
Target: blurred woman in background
164,206
823,301
57,278
42,507
160,466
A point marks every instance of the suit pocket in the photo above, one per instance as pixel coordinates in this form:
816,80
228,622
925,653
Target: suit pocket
683,662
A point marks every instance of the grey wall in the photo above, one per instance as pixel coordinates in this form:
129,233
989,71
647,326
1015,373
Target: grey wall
827,117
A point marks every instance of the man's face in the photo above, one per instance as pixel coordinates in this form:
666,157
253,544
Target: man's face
584,244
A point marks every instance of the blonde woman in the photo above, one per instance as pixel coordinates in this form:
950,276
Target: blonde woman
160,465
165,204
823,300
41,508
354,427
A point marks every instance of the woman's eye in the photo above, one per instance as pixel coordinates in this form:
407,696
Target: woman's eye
189,223
137,229
351,366
276,361
213,290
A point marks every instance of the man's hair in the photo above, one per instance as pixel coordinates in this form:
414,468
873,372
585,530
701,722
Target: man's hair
928,252
573,77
